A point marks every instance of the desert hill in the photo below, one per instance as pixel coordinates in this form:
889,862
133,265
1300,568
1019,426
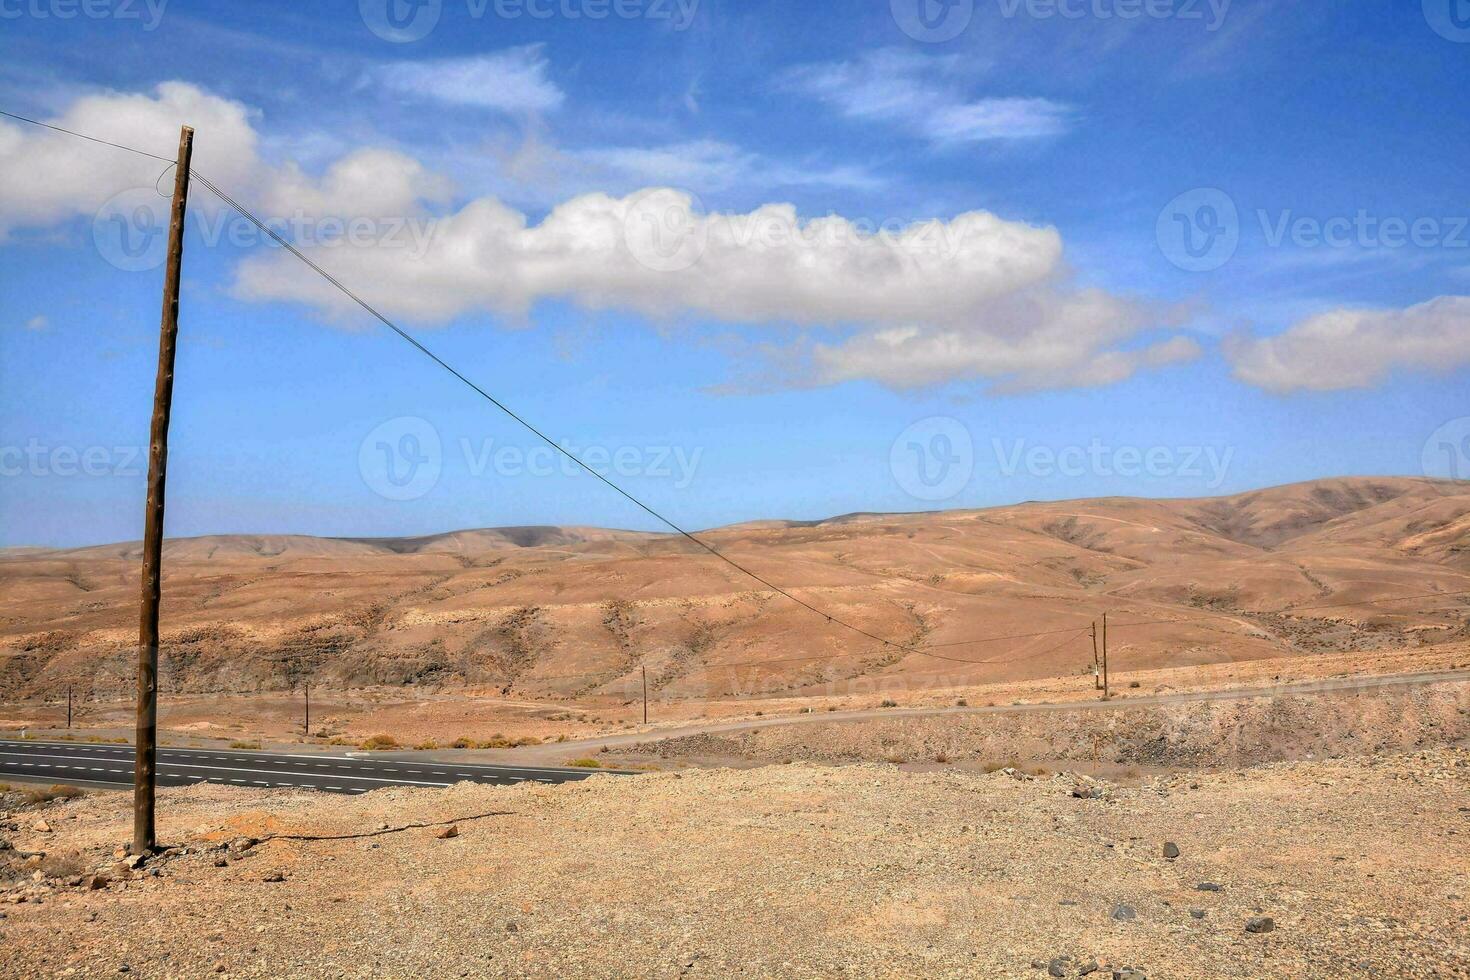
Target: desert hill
561,611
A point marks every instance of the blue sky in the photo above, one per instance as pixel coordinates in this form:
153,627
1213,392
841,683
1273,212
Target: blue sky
758,259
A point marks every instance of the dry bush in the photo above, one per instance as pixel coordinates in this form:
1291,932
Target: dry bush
379,743
63,865
57,792
586,764
244,745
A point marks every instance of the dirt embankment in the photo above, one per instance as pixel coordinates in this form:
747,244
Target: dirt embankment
1193,735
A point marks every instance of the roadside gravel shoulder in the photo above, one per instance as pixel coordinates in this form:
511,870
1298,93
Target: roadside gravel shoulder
1361,865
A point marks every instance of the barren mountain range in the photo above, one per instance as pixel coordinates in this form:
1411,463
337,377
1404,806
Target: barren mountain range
568,611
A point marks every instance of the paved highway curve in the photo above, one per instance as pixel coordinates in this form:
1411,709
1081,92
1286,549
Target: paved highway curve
78,762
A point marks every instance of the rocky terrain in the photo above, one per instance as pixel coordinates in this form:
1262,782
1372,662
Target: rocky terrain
1352,867
578,614
1190,734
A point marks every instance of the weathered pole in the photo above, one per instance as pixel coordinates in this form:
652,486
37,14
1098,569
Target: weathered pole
68,706
308,710
1096,662
1107,690
645,695
145,750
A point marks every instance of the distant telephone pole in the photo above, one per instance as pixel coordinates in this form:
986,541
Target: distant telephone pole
1096,660
68,706
145,750
645,695
308,711
1107,691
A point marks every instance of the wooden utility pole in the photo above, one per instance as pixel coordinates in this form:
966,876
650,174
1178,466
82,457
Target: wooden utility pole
308,711
1107,691
645,695
68,706
145,748
1096,662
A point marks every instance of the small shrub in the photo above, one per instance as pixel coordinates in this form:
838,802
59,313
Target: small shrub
244,745
379,742
888,704
465,743
941,758
1135,684
586,764
897,760
962,703
63,866
57,792
428,746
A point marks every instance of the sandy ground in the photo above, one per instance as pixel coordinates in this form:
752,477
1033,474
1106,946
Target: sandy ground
790,871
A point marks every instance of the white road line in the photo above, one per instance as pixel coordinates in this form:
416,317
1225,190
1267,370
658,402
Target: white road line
261,772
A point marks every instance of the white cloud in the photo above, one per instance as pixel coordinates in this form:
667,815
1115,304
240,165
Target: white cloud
1029,340
515,80
924,95
51,177
711,165
1356,348
38,323
976,297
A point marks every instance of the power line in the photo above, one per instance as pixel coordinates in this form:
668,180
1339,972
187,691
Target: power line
84,136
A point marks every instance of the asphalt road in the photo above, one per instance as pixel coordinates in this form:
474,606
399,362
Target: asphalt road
75,762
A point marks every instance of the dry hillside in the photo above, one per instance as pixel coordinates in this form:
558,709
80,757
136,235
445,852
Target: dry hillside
578,611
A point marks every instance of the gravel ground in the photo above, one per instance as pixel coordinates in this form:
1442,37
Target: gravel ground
1227,734
1362,865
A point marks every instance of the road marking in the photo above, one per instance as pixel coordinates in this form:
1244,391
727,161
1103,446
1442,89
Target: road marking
262,772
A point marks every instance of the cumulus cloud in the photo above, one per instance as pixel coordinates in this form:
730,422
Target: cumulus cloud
1356,348
1031,340
50,178
976,297
924,95
515,80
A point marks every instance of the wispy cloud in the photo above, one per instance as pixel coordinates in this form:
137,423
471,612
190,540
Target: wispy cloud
925,95
515,80
38,323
